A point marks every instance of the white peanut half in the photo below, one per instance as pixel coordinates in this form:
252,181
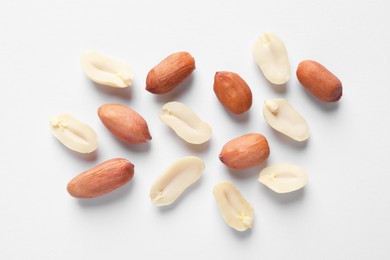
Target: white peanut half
235,210
271,55
283,177
185,123
282,117
73,134
175,180
105,70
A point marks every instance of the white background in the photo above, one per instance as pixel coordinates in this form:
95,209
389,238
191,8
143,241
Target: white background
343,212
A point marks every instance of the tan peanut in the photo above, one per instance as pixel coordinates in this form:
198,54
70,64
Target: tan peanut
319,81
233,92
170,72
245,151
101,179
124,123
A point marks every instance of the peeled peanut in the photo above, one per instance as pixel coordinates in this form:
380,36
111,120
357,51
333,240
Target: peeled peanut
185,123
124,123
283,177
282,117
232,91
319,81
170,72
245,151
105,70
271,55
101,179
235,210
73,134
175,180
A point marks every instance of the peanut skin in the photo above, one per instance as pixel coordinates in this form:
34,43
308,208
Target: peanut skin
319,81
170,72
233,92
124,123
245,151
101,179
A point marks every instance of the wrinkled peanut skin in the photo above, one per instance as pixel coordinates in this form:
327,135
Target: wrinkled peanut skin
233,92
245,151
124,123
170,72
319,81
101,179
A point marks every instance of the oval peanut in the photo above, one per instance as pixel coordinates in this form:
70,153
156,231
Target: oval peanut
245,151
170,72
124,123
232,91
319,81
101,179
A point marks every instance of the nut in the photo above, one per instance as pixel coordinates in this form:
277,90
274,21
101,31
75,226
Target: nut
73,134
106,71
170,72
101,179
319,81
245,151
282,117
124,123
235,210
271,55
233,92
175,180
185,123
283,177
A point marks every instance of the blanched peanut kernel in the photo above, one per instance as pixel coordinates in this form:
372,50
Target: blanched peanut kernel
235,210
73,134
185,123
283,177
106,71
175,180
282,117
271,55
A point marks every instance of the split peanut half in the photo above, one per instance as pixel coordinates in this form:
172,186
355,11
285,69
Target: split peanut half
175,180
105,70
185,123
283,177
271,55
235,210
282,117
74,134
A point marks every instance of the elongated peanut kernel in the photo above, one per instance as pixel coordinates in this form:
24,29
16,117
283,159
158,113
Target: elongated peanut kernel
283,177
185,123
235,210
105,70
271,55
282,117
101,179
175,180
